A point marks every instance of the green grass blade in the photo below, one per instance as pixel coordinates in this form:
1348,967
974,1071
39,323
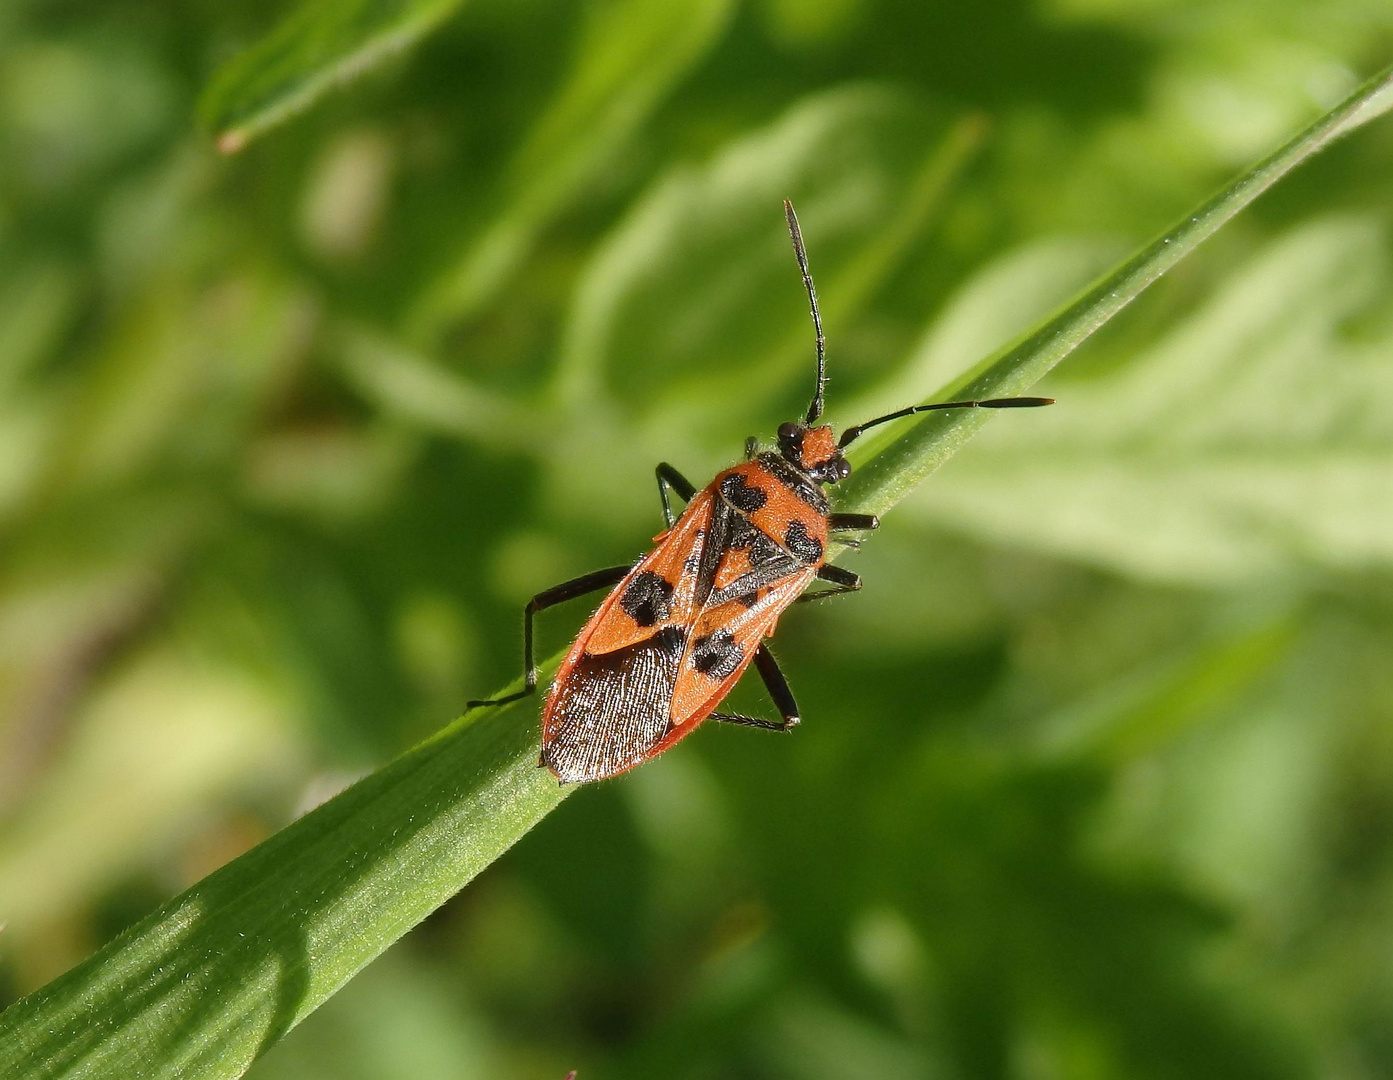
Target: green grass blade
218,974
894,465
322,44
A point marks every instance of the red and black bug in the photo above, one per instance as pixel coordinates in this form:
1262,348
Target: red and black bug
681,625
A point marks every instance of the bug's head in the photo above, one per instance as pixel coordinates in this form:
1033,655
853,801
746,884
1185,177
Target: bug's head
812,447
814,450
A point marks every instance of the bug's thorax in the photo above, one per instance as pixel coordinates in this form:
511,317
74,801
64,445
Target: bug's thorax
781,501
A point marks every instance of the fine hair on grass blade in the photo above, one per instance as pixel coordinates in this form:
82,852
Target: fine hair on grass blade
217,975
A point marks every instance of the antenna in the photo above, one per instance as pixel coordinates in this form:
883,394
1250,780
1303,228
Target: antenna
796,235
853,433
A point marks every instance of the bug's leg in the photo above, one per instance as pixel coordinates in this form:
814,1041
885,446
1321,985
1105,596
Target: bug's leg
751,447
557,594
844,580
779,690
852,522
751,721
668,477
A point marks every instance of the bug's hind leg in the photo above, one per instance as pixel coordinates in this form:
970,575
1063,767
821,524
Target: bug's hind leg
557,594
779,690
668,477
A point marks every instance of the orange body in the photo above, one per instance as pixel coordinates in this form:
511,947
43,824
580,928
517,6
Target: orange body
680,627
674,636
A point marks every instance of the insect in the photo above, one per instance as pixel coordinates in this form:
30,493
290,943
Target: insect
681,625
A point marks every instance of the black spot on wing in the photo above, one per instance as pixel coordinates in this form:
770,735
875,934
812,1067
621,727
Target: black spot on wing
647,599
716,654
796,539
745,534
741,495
723,520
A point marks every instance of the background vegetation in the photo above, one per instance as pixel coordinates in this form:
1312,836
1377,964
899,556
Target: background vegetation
1096,777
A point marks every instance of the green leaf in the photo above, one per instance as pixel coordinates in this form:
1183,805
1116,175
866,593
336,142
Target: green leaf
991,309
218,974
888,467
1252,438
677,300
188,730
631,54
323,44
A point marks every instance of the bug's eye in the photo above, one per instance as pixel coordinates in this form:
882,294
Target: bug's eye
788,432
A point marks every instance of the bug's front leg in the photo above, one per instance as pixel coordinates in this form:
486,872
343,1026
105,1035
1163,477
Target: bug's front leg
779,690
852,522
668,477
557,594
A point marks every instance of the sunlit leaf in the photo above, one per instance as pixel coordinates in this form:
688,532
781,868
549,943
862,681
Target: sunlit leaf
630,55
321,45
988,311
900,462
679,295
1252,438
88,821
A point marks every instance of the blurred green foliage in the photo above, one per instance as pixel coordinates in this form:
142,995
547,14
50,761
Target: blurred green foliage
1096,778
